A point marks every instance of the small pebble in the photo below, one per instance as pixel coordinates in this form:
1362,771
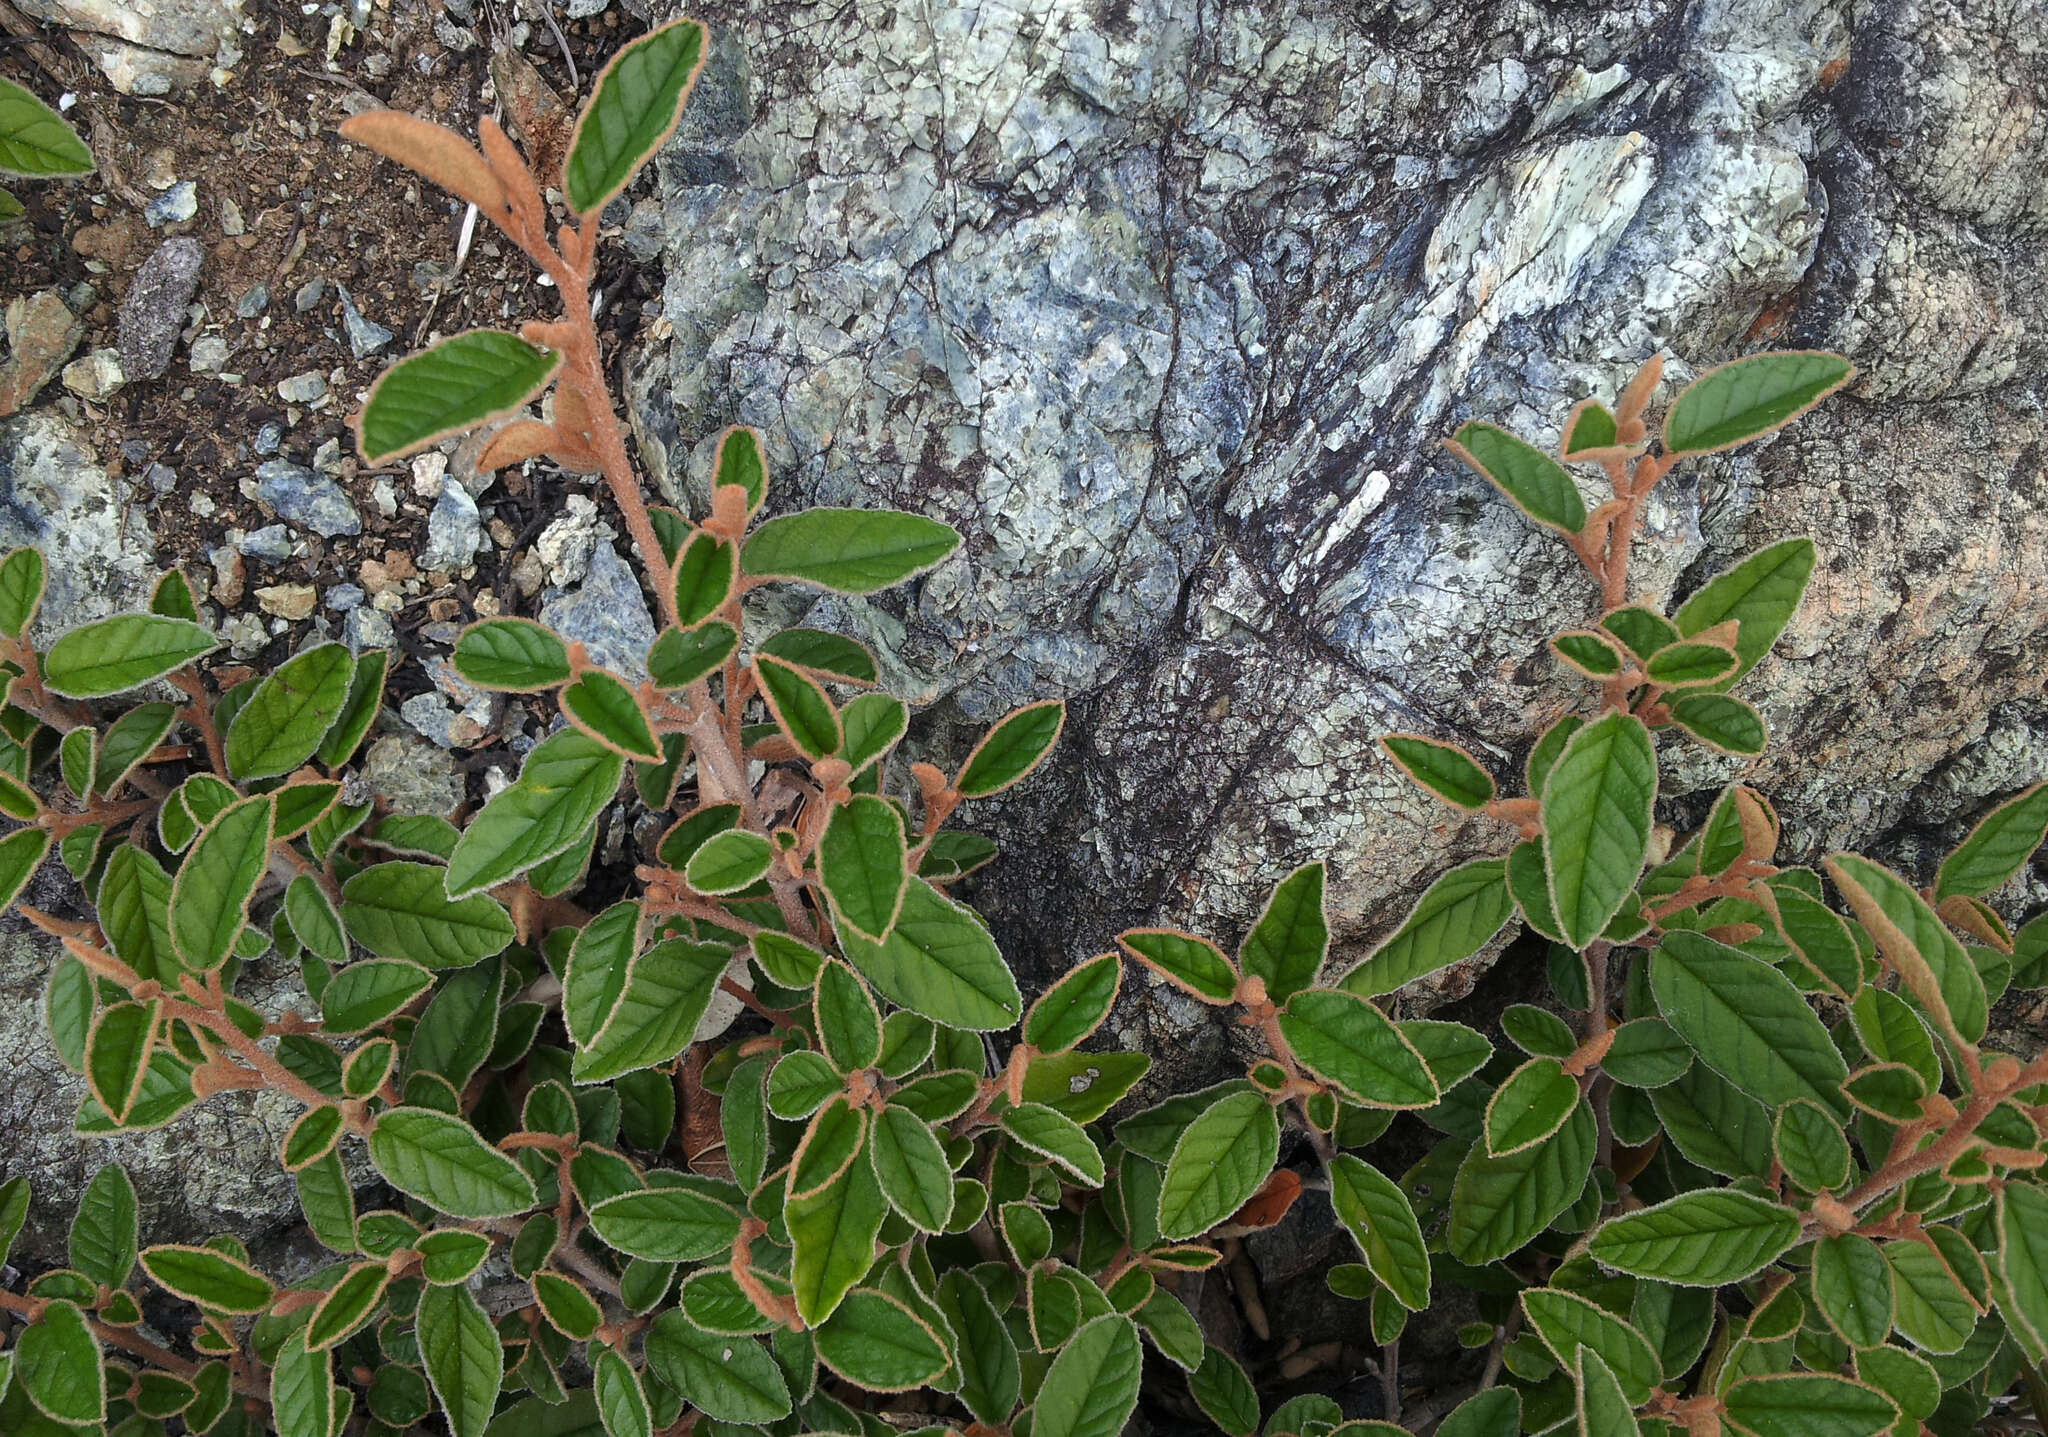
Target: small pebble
364,338
287,601
96,376
272,544
269,437
254,301
209,353
174,206
302,388
202,505
365,628
309,294
153,311
231,223
344,597
384,496
306,498
162,478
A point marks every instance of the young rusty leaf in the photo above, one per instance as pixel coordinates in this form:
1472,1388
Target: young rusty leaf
1596,823
634,104
1593,655
456,385
1537,484
1735,402
1929,960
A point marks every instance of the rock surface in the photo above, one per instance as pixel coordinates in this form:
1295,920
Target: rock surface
1167,307
94,536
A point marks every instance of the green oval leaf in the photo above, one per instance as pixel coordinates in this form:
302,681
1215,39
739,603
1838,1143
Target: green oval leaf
1698,1239
850,551
57,1365
34,140
800,706
281,725
1533,481
566,782
1446,770
1092,1386
1348,1042
455,385
939,961
1761,594
1499,1203
210,896
1066,1013
443,1162
1383,1224
729,1379
729,861
1746,1021
402,910
705,573
636,100
514,655
208,1278
1738,401
679,657
861,865
877,1342
1806,1405
1596,823
1530,1104
122,653
2003,840
666,1224
603,706
1222,1158
465,1362
1011,749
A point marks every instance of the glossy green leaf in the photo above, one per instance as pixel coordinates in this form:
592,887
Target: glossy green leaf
1011,749
666,991
679,657
516,655
666,1224
103,1230
1852,1287
823,655
2001,842
463,1358
1066,1013
1192,964
1456,917
1530,1104
800,706
210,895
1596,823
1537,484
57,1365
1223,1392
705,573
1721,722
1379,1218
634,104
851,551
1285,948
1738,401
122,653
1444,769
1566,1322
1761,594
454,385
833,1233
1092,1386
603,706
1499,1203
207,1277
878,1343
939,961
1806,1405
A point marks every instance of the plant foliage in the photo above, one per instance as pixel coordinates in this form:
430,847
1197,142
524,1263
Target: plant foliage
1771,1180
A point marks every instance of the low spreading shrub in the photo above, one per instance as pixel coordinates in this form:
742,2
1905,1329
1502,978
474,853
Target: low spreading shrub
1772,1180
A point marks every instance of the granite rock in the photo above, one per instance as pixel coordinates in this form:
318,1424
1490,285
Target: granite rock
1168,307
153,312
